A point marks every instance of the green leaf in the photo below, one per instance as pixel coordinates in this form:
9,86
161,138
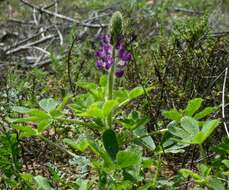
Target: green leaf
198,139
186,173
109,106
176,130
103,81
193,106
205,112
26,131
98,151
48,104
110,143
64,102
87,85
215,183
20,109
43,125
38,113
42,183
81,145
136,92
209,127
83,184
172,115
93,111
190,125
147,141
204,170
226,163
127,159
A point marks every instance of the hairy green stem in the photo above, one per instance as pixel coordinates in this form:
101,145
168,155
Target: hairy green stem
110,86
158,170
57,146
203,154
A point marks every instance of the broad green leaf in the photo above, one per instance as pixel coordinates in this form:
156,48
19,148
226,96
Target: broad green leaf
176,130
93,111
26,176
87,85
81,146
193,106
26,131
20,109
226,163
103,81
43,125
199,138
43,183
121,95
24,120
109,106
204,170
172,114
39,114
83,184
190,125
110,143
215,183
134,93
186,173
147,141
209,127
205,112
48,104
127,159
98,151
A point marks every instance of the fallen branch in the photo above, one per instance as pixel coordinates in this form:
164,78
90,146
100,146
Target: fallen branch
20,48
63,17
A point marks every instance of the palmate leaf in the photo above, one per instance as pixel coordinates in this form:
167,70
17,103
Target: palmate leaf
193,106
48,104
187,131
172,115
146,141
127,159
43,183
190,125
109,106
205,112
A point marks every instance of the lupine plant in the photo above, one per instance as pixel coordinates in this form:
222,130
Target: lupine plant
115,138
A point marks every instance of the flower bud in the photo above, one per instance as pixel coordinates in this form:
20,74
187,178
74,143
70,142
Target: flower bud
116,27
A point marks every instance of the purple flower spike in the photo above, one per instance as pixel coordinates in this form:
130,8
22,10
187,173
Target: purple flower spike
104,59
119,73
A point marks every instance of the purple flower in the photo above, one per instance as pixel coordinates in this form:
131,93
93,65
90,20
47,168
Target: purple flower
121,64
124,55
120,43
104,38
100,64
104,55
119,73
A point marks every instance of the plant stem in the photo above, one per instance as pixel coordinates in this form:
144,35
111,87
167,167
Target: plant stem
158,170
110,86
57,146
202,154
